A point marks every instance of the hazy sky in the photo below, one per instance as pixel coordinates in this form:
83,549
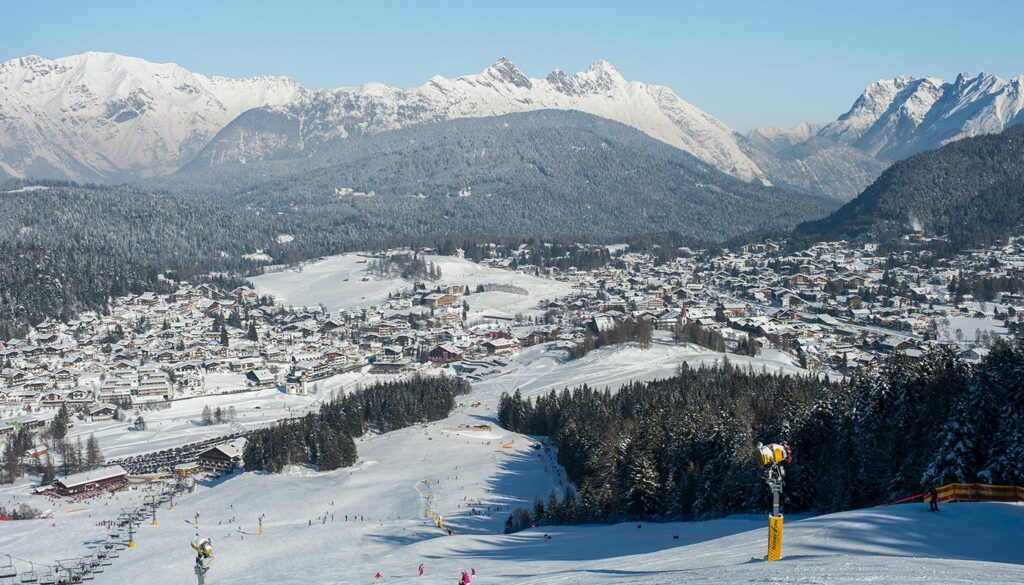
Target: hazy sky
750,63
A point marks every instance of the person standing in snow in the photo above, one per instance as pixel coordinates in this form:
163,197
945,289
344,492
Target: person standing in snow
465,578
421,569
933,494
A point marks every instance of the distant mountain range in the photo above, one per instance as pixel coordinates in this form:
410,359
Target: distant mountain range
107,118
104,117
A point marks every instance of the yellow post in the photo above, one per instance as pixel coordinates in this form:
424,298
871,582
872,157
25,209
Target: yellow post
774,538
154,520
131,543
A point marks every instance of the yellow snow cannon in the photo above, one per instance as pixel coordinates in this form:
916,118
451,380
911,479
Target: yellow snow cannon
773,454
202,546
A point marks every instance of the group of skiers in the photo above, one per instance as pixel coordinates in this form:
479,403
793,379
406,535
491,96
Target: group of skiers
465,579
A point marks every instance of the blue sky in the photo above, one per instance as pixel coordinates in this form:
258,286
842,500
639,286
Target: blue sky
749,63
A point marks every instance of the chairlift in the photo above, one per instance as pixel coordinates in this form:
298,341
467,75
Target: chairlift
47,577
7,569
30,575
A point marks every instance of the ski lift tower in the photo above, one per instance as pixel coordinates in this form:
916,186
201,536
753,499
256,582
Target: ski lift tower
153,504
129,515
772,459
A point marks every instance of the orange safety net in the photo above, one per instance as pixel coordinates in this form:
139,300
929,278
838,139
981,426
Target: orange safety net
978,492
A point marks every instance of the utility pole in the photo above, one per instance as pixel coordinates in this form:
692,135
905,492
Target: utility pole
153,504
261,524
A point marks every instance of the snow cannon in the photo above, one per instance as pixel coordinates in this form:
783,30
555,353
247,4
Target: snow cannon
203,546
773,458
774,454
204,557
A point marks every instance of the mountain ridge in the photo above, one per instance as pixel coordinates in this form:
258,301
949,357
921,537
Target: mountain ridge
103,117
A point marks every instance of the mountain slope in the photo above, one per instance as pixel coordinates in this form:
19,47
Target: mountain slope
900,117
104,117
814,165
971,190
551,173
321,116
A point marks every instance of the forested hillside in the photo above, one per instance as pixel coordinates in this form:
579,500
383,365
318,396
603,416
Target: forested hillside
684,447
971,190
58,281
547,173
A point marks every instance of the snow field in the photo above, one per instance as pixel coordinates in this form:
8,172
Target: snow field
336,282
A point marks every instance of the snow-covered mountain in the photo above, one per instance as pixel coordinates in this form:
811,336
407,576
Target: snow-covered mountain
775,139
895,118
324,115
101,116
105,117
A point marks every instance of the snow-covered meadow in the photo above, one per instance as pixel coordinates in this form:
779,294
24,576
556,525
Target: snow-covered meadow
337,282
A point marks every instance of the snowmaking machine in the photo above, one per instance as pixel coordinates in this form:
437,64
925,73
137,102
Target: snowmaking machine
773,458
204,557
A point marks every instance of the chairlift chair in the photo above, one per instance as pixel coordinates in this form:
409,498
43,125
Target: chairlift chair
30,576
7,569
47,577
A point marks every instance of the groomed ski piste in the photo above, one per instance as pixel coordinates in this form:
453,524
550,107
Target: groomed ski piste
447,466
473,473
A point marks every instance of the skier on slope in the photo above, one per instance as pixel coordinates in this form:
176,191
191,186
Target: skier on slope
465,579
933,495
421,569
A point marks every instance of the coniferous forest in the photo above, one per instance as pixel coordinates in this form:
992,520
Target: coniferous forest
683,448
324,440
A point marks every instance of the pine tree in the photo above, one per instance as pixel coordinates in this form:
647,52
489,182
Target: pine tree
59,426
49,471
252,335
94,457
646,334
642,487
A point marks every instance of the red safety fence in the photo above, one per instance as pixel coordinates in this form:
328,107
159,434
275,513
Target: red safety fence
969,492
979,492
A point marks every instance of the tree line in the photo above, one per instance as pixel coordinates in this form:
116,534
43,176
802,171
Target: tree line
325,439
683,448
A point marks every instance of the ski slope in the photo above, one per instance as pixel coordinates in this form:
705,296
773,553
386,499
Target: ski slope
537,370
445,466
